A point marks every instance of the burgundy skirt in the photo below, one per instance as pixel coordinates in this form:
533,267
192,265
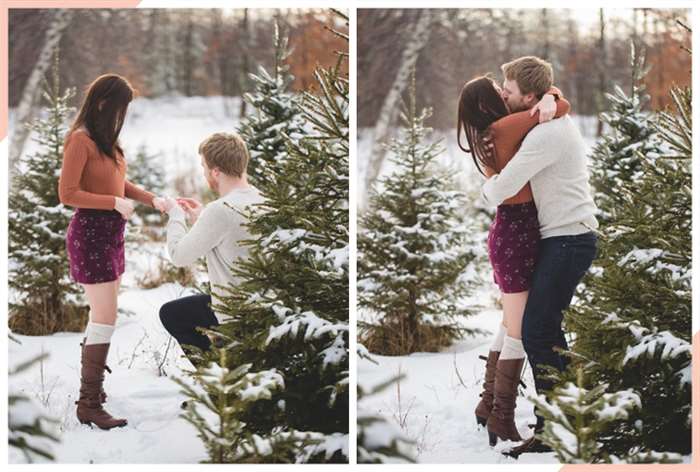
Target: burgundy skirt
95,245
513,239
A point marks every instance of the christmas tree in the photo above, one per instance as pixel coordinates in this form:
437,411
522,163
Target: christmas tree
632,328
276,117
631,133
289,313
378,439
30,430
415,256
43,299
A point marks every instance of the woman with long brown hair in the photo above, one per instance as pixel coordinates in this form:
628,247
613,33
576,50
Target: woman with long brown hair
493,136
93,180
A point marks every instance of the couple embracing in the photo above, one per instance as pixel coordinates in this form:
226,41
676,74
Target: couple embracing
93,181
542,240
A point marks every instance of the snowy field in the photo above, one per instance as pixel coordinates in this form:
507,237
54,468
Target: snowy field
434,404
139,389
143,357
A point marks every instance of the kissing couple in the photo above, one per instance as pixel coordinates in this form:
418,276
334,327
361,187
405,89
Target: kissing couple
542,240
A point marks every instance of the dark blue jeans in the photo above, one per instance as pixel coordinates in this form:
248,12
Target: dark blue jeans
561,264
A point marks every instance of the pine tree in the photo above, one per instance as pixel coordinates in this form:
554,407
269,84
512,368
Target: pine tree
43,298
576,416
290,310
30,430
632,329
276,117
378,439
219,393
414,249
615,158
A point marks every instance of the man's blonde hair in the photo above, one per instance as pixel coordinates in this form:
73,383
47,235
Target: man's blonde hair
227,151
532,74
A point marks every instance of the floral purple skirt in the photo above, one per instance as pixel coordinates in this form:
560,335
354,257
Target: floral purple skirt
95,245
513,239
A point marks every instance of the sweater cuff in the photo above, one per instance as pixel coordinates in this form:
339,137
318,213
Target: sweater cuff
176,213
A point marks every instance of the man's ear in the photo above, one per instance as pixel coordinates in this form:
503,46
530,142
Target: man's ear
530,99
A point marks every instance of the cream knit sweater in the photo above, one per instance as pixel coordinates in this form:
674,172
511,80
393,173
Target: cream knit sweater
216,235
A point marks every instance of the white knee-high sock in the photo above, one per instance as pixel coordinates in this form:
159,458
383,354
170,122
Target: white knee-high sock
497,344
512,349
98,333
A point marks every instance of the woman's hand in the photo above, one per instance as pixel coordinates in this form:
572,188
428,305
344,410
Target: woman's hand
124,206
159,204
547,108
191,206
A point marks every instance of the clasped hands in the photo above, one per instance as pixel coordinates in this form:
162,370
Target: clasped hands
191,207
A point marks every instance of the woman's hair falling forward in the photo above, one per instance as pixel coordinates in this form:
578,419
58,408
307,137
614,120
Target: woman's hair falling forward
480,104
103,110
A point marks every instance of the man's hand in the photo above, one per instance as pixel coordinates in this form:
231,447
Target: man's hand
547,108
191,206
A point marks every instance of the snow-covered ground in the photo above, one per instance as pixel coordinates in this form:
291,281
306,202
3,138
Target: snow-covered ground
143,357
434,404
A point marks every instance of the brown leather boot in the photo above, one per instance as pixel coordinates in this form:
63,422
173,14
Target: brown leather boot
92,375
501,423
483,409
103,394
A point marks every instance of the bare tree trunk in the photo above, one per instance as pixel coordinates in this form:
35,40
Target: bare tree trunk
602,82
245,59
32,87
387,114
546,46
188,56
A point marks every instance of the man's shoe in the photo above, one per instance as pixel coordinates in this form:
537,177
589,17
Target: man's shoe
530,445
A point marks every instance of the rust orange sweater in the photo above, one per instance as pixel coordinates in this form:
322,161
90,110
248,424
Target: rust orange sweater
507,134
89,179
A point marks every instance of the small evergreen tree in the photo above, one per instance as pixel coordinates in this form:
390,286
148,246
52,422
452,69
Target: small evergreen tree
276,117
615,157
632,329
414,249
30,430
576,416
218,395
378,439
43,299
289,312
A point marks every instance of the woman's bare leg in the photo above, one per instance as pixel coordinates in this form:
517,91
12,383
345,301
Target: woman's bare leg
103,301
513,310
